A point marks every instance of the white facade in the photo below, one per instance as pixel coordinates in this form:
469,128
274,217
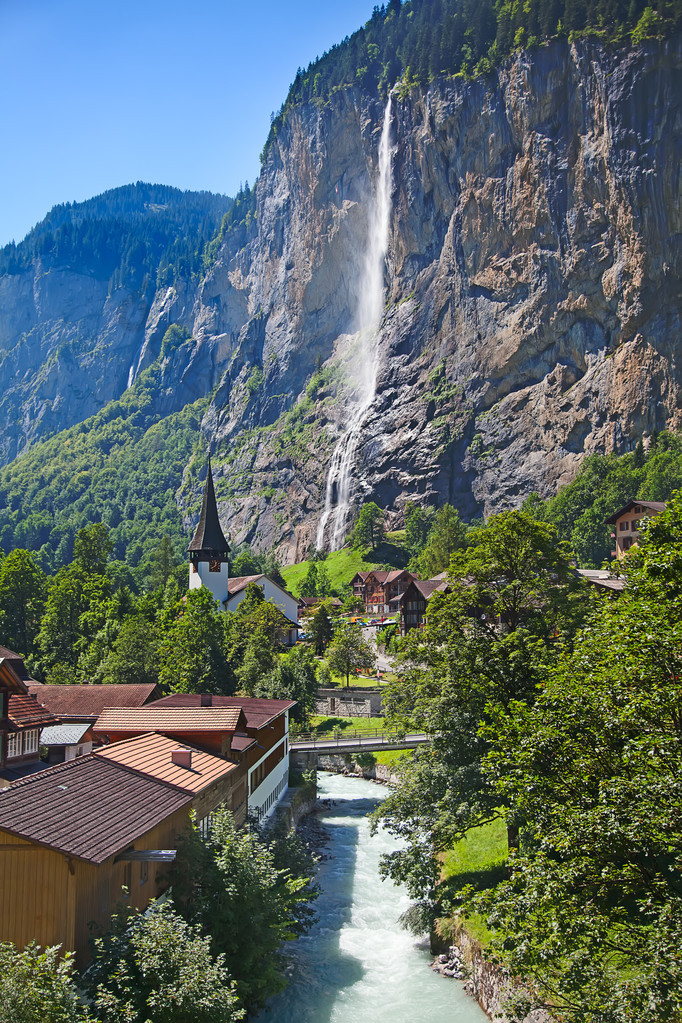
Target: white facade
211,574
272,592
263,799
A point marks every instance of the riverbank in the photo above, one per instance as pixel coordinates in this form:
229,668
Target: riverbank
358,963
486,984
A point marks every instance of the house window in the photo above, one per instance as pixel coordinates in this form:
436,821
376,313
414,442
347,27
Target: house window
144,872
622,526
14,745
30,743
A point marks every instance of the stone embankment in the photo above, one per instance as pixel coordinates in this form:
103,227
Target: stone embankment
490,985
381,773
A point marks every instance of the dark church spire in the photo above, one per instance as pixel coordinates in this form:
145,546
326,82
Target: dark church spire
209,537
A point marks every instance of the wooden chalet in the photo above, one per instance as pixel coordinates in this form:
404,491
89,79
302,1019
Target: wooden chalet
307,605
260,745
397,592
625,523
66,839
72,836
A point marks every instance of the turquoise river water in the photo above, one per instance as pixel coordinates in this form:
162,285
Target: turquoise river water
357,965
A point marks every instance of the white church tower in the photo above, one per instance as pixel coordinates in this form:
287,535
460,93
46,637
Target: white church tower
209,549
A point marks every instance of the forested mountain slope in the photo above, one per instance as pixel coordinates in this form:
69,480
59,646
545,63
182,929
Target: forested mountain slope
532,276
77,297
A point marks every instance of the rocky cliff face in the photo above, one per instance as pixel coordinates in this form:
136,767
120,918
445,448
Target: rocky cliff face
533,283
533,294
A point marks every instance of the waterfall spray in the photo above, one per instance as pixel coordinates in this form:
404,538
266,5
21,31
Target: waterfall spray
369,311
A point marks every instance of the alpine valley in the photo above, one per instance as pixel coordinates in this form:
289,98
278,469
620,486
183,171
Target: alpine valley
533,285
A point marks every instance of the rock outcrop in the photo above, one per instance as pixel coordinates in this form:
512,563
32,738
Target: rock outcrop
533,295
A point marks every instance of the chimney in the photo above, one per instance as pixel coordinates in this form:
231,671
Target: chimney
182,758
206,700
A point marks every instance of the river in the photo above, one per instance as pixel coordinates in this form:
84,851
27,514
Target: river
357,964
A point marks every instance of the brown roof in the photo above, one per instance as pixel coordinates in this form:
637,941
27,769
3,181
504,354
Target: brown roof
26,712
90,808
152,755
239,582
427,586
209,536
16,661
86,703
653,506
169,719
258,712
9,679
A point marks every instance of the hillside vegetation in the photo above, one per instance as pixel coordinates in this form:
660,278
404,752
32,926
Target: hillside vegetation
137,235
415,42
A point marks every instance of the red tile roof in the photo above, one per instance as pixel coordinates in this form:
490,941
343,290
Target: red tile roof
86,703
154,718
26,712
152,754
258,712
90,808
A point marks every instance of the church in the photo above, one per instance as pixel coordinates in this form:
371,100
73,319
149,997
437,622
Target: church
208,566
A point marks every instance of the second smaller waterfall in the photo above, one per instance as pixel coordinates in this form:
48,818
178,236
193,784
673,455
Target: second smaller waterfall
366,362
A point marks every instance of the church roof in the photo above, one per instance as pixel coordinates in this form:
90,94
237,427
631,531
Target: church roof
209,535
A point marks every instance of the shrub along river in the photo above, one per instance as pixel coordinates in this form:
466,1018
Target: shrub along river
357,964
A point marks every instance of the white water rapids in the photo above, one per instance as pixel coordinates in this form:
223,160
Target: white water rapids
357,964
366,360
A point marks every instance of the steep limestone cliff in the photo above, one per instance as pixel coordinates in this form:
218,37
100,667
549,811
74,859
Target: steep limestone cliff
533,286
532,282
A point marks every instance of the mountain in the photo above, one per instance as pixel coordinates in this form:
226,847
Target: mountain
532,302
76,300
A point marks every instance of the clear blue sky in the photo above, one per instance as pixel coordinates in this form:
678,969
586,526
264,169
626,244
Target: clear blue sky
98,94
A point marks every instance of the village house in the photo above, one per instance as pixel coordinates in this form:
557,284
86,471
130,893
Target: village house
66,742
252,733
626,520
22,718
83,704
307,605
71,836
397,592
261,747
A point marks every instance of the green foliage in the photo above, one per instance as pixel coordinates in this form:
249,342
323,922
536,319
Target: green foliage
92,548
154,967
349,651
23,592
320,629
293,677
486,645
131,236
120,468
417,41
172,339
604,484
592,911
193,655
37,985
446,535
368,531
233,887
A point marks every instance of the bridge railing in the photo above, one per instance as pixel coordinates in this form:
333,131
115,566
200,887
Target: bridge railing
377,734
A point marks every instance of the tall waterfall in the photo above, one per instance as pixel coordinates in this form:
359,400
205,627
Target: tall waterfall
365,365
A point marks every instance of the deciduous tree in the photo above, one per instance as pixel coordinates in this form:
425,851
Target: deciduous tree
349,651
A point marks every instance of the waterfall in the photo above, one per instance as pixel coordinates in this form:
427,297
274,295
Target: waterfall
368,316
